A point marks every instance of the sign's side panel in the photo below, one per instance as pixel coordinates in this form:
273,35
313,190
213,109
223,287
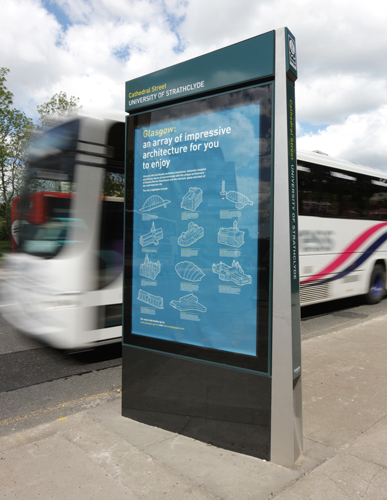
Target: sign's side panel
291,73
239,63
286,379
293,216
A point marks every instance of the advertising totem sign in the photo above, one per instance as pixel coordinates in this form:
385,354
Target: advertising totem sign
211,345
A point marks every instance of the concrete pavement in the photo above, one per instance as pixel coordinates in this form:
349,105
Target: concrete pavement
97,454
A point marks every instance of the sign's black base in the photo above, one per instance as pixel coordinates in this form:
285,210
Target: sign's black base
222,406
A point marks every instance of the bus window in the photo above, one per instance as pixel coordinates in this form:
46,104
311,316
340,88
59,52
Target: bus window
45,220
327,192
377,208
343,190
316,193
110,253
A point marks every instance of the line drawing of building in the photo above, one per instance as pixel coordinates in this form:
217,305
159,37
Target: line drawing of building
151,300
240,200
188,303
150,269
193,234
192,199
231,236
189,271
152,237
232,273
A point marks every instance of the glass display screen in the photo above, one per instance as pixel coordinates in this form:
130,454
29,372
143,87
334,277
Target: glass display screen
200,227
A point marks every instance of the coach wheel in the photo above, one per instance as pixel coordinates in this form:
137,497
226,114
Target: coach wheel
377,284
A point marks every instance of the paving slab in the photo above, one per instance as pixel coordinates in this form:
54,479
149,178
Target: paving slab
227,474
372,444
146,477
341,478
344,382
55,468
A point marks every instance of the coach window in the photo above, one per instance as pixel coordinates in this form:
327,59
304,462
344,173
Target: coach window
378,199
345,191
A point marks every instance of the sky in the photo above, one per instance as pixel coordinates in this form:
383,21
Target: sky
90,48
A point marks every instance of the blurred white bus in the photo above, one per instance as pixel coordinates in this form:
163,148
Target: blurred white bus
64,284
64,281
342,229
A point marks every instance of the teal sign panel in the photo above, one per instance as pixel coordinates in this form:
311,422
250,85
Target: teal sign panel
234,65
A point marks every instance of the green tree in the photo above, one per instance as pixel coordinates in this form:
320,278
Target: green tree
59,106
15,135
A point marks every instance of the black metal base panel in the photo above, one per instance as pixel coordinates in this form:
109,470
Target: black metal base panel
216,404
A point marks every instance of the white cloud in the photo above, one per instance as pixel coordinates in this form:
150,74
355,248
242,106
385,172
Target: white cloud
333,98
85,59
361,138
341,54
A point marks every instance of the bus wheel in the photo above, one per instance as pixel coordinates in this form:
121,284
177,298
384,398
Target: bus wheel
377,284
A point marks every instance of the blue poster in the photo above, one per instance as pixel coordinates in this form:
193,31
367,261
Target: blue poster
195,230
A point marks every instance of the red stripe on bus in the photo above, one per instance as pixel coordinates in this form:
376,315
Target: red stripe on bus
347,252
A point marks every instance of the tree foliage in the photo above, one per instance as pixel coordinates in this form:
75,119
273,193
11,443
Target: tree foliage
15,134
59,106
114,185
